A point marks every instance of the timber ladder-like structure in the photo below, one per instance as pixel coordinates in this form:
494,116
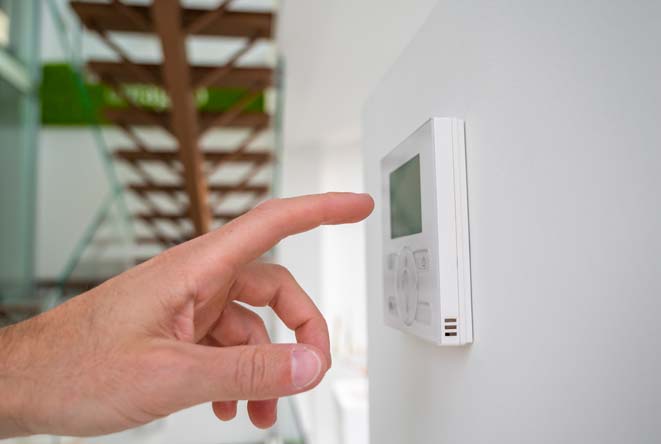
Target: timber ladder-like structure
196,199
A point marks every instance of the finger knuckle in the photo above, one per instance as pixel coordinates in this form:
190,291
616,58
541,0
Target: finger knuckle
250,377
282,271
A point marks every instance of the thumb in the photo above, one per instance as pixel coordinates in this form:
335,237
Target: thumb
257,372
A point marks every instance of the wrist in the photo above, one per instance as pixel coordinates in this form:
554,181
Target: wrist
13,387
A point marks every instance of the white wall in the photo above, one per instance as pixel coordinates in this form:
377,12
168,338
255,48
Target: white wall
343,258
329,265
334,53
562,102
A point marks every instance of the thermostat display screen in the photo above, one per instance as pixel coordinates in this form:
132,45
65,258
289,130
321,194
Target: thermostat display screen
405,199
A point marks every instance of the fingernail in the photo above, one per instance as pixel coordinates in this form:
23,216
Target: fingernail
305,367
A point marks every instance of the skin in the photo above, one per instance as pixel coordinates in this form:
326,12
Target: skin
169,333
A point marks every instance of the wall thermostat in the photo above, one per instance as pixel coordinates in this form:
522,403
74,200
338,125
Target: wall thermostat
426,263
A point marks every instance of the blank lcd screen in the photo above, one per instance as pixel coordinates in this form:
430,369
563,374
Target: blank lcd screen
406,199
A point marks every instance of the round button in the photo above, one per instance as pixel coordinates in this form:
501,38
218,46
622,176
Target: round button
407,286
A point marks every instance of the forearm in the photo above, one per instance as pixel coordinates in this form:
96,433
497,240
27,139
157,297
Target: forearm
13,381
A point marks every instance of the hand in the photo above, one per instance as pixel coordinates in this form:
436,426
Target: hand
169,333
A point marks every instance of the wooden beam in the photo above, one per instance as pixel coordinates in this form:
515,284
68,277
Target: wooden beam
165,242
243,120
167,18
171,189
73,284
228,118
133,117
178,217
217,199
126,61
208,18
229,24
235,76
220,72
146,114
129,116
133,137
212,156
149,203
250,138
138,20
139,170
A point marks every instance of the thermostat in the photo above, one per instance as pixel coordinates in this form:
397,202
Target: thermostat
426,262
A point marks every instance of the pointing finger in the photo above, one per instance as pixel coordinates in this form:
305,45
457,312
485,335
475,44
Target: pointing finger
250,236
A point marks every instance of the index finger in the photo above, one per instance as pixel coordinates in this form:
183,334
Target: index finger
250,236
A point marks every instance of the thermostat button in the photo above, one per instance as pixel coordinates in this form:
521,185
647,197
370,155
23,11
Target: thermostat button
407,286
403,281
422,259
411,305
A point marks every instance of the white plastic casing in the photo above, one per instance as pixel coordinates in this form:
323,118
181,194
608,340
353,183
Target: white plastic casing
426,276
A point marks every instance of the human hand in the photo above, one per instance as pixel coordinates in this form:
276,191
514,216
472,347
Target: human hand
169,333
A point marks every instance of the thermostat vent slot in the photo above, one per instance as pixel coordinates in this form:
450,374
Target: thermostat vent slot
450,327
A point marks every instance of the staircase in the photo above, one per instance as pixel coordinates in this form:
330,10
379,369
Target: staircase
198,186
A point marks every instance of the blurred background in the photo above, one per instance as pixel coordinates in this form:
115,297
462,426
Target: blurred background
122,135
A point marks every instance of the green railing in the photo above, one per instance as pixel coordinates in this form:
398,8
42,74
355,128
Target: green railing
19,112
113,209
